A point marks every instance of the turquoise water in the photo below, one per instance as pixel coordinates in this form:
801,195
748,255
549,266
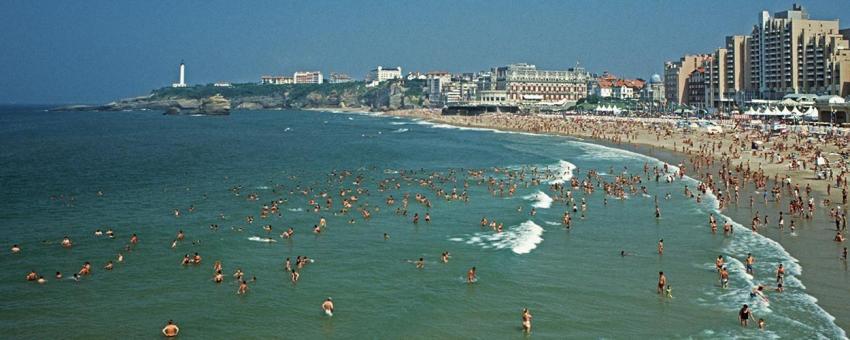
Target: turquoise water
147,165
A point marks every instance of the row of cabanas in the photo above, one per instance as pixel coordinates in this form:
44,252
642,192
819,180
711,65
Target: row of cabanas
810,114
608,109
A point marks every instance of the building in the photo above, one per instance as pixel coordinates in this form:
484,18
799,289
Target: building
695,89
436,81
307,77
654,92
276,80
676,75
737,70
608,85
791,53
492,96
182,76
524,82
381,74
339,78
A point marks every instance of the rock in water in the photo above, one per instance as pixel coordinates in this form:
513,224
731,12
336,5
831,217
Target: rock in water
215,105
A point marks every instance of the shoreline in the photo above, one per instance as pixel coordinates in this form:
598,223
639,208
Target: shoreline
808,248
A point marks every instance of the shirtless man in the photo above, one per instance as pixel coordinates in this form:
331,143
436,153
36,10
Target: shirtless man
420,264
526,320
328,306
16,249
780,274
470,276
170,329
749,263
243,288
661,247
719,263
724,277
662,282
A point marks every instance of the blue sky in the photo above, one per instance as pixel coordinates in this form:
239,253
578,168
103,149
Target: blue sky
96,51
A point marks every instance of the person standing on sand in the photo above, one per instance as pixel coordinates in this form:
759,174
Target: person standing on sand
170,330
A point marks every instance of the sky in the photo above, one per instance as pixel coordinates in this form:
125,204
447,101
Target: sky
95,51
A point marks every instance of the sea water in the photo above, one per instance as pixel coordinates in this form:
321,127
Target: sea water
576,284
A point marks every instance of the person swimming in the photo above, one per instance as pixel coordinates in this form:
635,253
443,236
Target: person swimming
328,307
526,320
170,330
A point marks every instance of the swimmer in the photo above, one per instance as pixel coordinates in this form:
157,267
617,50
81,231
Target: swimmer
718,264
120,257
526,320
170,330
749,263
98,233
470,276
218,277
180,235
293,276
445,257
108,265
174,244
66,242
243,288
134,239
724,278
420,264
744,315
660,247
41,280
32,276
780,274
58,275
662,282
328,307
838,237
761,324
386,236
287,265
16,249
668,292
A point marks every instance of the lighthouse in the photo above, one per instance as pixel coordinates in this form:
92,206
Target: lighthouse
182,82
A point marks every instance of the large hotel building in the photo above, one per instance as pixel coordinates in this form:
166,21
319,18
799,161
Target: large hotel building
784,54
524,82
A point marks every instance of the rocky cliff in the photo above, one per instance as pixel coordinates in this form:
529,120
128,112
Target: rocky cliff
208,99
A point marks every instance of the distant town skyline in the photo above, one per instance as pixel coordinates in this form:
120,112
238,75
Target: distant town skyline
98,51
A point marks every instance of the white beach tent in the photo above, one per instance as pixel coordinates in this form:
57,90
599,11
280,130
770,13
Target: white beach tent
811,114
796,112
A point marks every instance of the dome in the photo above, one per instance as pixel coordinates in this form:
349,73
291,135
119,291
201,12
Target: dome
655,78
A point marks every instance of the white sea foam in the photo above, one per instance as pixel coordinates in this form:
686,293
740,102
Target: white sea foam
261,239
563,172
541,200
295,209
521,239
399,123
402,130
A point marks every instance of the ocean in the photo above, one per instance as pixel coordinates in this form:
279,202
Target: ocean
221,170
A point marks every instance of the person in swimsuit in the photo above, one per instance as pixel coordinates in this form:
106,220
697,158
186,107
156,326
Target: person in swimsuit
662,282
749,263
470,275
526,320
724,277
328,306
761,324
661,247
420,264
780,274
744,315
171,330
16,249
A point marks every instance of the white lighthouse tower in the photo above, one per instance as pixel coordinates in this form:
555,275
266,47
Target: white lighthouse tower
182,82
